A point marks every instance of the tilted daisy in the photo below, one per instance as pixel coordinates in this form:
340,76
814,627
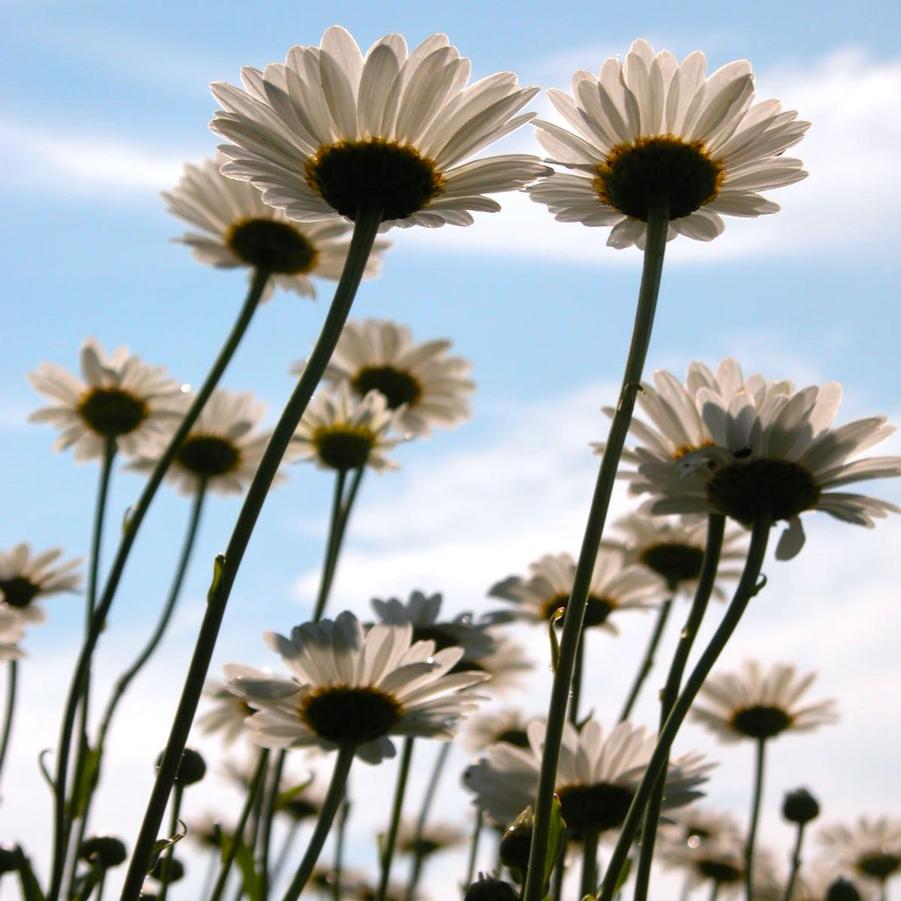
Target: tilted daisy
355,688
614,586
507,725
651,133
238,230
333,132
226,712
760,704
504,665
871,847
119,398
25,578
377,354
435,837
222,450
696,825
341,432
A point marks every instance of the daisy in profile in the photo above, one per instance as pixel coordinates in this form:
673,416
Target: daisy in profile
333,132
238,230
341,432
223,449
614,586
226,712
118,399
431,387
696,825
25,578
870,848
508,725
651,134
434,838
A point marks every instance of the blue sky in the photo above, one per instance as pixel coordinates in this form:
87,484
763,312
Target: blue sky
108,101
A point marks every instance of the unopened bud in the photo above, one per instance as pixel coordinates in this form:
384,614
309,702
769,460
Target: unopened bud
842,890
191,769
800,806
103,851
487,889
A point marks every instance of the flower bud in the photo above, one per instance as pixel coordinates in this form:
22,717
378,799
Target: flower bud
800,806
191,769
104,851
515,846
488,889
842,890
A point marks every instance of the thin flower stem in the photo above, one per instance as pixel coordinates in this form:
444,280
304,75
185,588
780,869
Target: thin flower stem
11,680
333,798
594,528
759,763
716,526
795,863
575,695
747,587
256,784
101,882
169,853
287,844
589,862
211,870
400,789
267,817
474,849
343,814
129,534
365,230
427,800
647,663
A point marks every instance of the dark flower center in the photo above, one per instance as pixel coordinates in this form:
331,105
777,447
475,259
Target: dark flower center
718,870
276,247
354,175
663,172
778,489
111,412
349,715
343,449
299,809
842,890
207,456
18,591
399,387
674,561
601,806
517,737
422,848
761,721
596,611
515,846
879,865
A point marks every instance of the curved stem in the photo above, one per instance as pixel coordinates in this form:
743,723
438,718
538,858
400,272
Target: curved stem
267,817
589,862
256,784
428,798
365,230
575,608
12,679
760,757
169,853
343,814
130,532
333,798
474,849
795,863
400,790
647,663
716,526
746,589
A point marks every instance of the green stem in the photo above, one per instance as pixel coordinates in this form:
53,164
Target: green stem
760,758
169,853
474,849
343,814
576,692
400,790
647,663
746,589
795,864
11,681
589,862
130,532
575,608
101,882
716,526
333,798
256,784
365,230
267,816
211,870
287,844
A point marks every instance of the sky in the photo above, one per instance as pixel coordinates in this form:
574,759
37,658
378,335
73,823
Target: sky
107,102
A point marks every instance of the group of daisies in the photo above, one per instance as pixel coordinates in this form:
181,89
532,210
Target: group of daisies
334,137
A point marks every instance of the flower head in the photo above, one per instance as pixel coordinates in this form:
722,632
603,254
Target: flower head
25,578
239,230
508,725
431,387
827,882
119,398
695,826
226,712
651,133
335,132
435,837
352,687
760,704
870,847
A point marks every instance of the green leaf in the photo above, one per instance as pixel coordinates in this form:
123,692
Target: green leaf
556,842
161,844
45,772
253,886
623,875
558,614
87,783
31,889
218,567
289,794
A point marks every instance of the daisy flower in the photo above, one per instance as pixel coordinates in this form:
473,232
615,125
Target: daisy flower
614,586
226,712
333,132
222,450
825,882
119,398
435,837
238,230
340,432
356,688
25,578
504,665
870,848
760,704
507,725
653,134
432,387
697,825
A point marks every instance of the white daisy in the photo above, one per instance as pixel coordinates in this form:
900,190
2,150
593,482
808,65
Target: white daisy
339,431
332,131
222,450
508,725
760,704
355,688
651,133
870,848
504,665
432,387
614,586
698,825
435,837
815,882
12,628
25,578
118,398
596,776
239,230
750,448
226,712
